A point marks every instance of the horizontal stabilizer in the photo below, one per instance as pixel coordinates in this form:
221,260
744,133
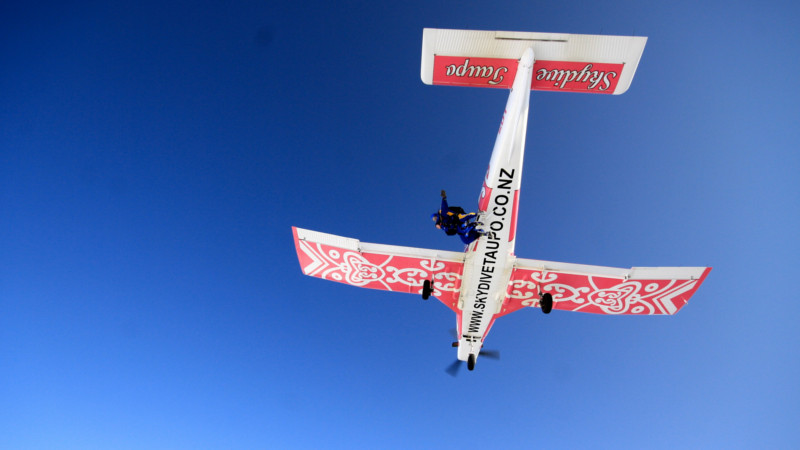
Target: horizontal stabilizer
564,62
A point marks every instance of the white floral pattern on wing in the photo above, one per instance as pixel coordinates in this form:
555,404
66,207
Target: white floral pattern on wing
528,291
359,271
617,299
452,282
392,272
433,266
410,276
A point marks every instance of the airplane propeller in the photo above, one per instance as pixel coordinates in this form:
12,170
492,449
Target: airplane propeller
491,354
455,367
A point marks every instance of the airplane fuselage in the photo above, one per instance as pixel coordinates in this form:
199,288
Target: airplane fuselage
490,259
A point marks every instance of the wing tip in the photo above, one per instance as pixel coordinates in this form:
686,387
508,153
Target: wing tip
704,275
297,249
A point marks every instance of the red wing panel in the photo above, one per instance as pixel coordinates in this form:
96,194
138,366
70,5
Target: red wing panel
570,76
599,294
384,267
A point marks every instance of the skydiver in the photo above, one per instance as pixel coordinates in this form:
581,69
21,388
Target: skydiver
453,220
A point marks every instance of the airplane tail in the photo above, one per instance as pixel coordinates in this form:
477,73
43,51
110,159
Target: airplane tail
564,62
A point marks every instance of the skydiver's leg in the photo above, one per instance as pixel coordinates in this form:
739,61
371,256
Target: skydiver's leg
470,236
463,227
475,227
463,222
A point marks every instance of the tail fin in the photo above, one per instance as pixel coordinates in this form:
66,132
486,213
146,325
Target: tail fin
564,62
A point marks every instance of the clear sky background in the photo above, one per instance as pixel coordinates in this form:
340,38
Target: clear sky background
154,155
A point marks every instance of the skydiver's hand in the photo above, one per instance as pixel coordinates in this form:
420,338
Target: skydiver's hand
444,194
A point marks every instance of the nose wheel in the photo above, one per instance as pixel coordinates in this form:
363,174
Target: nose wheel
471,362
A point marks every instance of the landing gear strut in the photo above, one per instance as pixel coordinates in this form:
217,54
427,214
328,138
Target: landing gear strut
427,289
546,302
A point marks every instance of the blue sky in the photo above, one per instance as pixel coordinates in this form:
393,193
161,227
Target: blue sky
154,155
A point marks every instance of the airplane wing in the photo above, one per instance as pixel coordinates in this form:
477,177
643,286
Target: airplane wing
602,290
377,266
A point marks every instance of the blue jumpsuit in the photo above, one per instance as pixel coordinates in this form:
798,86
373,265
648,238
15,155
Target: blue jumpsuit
453,220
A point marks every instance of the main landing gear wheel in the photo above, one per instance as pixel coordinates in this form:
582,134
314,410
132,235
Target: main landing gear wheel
546,303
471,361
427,289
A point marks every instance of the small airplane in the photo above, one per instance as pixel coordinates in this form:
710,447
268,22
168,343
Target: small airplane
487,280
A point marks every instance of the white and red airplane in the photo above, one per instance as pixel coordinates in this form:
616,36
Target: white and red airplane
487,280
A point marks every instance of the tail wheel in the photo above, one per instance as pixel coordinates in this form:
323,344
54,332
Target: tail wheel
546,303
471,361
427,289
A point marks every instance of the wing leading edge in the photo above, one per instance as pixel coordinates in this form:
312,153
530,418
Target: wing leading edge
602,290
378,266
